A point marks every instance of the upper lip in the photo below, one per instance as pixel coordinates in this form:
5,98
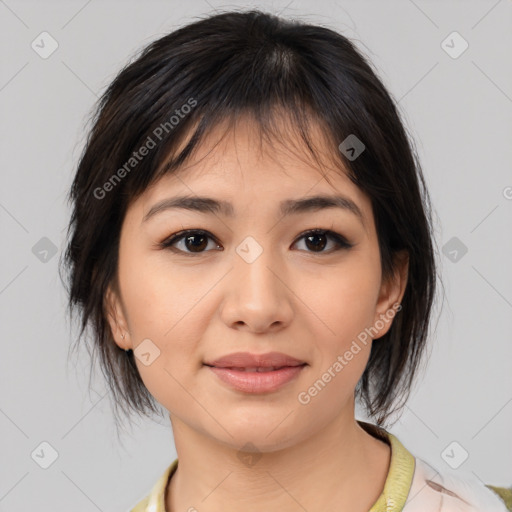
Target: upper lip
248,360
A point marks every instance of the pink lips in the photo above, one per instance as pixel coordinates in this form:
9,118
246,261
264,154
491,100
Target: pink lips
256,373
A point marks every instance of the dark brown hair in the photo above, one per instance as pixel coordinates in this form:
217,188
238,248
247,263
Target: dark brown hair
220,68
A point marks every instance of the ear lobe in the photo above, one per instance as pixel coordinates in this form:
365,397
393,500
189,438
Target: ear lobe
114,314
391,294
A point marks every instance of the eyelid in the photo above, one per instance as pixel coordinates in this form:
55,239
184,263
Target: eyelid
341,241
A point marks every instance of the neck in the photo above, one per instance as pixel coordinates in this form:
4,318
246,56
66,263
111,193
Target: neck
340,467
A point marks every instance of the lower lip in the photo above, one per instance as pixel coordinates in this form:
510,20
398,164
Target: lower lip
257,382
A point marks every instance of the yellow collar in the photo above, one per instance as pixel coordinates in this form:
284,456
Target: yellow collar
400,475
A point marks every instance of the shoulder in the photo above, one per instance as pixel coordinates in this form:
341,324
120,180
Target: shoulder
504,493
155,500
451,492
141,506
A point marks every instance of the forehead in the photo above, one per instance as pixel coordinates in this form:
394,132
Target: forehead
238,164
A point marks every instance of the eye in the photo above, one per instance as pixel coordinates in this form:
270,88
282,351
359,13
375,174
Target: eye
195,241
317,239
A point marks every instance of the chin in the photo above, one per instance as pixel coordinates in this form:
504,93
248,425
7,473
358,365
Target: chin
260,436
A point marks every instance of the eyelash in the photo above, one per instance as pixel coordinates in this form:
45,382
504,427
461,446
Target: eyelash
170,241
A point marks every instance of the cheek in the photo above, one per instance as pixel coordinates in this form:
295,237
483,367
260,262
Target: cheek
166,308
158,301
344,297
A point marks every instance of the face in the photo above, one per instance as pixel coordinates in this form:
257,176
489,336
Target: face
253,279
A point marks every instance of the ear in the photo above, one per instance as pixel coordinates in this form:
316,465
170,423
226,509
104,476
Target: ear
391,292
116,318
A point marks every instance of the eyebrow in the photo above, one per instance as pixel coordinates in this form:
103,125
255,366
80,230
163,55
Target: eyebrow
287,207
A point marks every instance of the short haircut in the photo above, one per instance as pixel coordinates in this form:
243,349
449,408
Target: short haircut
218,69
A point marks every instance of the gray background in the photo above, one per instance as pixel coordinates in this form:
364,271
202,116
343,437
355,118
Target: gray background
458,110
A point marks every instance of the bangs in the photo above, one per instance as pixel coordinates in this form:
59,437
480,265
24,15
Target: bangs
291,131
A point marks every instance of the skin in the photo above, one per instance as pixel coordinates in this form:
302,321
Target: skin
310,304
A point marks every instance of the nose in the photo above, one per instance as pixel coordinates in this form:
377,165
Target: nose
258,297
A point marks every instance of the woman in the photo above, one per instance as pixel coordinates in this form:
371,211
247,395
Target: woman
251,243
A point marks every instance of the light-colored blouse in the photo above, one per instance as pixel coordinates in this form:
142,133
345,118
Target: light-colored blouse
412,485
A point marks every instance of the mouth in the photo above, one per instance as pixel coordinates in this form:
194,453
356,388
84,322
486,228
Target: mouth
259,369
257,379
255,362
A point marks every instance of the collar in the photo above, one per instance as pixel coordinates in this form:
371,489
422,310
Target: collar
400,475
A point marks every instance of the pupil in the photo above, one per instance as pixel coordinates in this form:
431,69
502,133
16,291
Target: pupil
196,246
310,237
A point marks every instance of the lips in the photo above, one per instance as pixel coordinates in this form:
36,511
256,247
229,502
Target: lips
256,373
246,361
257,382
254,369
